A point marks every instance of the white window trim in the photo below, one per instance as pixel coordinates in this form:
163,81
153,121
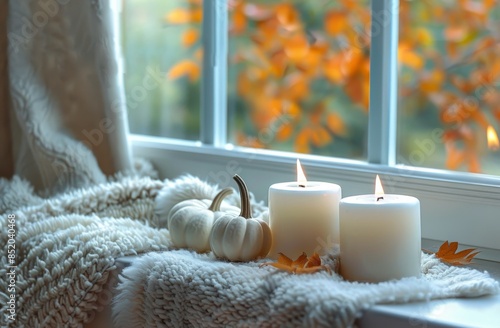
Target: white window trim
383,82
455,206
214,78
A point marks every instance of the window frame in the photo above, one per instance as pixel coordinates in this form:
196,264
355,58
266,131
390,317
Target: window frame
449,199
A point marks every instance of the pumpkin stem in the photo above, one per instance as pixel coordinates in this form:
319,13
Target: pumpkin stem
215,206
245,199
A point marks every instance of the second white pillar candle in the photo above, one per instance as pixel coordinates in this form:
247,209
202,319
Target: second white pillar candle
379,237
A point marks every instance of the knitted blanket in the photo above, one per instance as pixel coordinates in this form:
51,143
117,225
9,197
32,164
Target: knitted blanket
66,249
185,289
67,246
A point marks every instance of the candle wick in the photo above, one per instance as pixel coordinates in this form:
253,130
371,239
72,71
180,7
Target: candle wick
379,198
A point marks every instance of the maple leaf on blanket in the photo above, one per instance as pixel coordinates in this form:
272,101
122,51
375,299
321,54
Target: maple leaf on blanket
301,265
448,254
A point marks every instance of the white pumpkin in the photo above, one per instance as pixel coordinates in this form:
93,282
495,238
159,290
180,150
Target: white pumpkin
191,221
240,237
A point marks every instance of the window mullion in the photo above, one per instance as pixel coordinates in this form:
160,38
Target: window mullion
214,76
383,82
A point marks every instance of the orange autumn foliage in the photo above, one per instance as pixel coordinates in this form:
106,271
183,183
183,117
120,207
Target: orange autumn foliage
184,16
293,55
301,265
288,16
296,47
190,37
336,22
335,124
187,68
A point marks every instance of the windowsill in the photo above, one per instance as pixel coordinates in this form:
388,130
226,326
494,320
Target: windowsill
447,211
477,312
451,312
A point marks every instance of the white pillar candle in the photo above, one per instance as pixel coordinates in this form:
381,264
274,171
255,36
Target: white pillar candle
379,237
304,216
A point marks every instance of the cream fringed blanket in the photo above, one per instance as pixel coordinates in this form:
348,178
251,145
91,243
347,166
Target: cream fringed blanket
66,246
185,289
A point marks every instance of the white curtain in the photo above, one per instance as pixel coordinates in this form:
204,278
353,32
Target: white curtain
63,120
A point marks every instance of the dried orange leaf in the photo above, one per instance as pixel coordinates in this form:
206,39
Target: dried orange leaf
448,254
300,261
301,265
313,261
283,259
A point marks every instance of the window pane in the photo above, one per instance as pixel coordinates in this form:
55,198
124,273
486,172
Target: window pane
299,75
449,70
162,59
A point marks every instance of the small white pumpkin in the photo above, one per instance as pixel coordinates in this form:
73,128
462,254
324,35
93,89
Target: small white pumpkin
191,221
240,237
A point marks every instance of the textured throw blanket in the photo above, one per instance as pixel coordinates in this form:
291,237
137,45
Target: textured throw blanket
185,289
67,246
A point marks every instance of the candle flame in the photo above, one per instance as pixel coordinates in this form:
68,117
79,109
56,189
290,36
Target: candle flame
492,136
301,177
379,190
